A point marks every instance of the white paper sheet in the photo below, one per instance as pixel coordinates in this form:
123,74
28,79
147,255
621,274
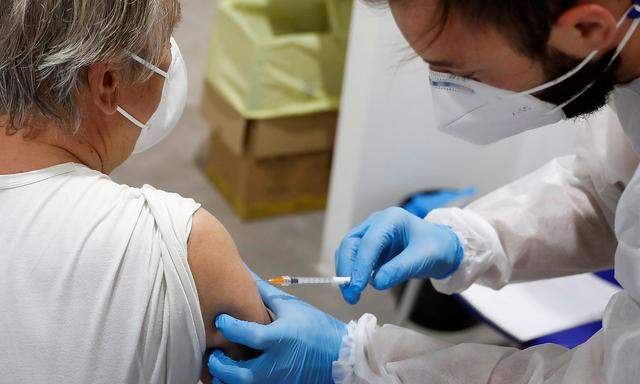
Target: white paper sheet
528,311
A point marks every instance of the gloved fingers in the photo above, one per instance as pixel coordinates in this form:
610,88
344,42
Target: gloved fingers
360,230
405,266
216,381
345,259
380,237
227,370
271,296
269,293
253,335
275,298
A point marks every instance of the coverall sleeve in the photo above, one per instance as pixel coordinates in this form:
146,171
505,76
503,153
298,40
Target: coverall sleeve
389,355
555,222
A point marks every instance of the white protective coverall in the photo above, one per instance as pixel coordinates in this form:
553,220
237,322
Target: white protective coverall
570,217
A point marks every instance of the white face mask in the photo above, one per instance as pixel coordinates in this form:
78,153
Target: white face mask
626,100
482,114
172,103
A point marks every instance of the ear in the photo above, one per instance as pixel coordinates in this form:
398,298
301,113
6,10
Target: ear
583,29
104,83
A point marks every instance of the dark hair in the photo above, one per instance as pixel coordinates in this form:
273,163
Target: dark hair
526,23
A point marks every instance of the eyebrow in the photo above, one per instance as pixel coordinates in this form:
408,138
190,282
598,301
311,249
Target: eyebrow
440,63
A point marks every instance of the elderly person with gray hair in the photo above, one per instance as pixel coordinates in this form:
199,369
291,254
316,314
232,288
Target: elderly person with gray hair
101,282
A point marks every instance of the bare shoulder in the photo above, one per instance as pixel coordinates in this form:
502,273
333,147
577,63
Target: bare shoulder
223,281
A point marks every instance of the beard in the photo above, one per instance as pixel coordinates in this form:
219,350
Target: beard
599,74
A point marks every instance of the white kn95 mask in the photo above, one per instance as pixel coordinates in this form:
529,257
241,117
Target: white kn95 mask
172,103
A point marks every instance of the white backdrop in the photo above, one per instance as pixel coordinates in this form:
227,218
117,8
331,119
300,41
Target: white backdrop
387,146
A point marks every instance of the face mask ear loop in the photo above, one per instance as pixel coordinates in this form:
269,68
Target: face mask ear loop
632,29
151,66
132,119
562,78
592,55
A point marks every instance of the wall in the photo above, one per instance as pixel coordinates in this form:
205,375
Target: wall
387,146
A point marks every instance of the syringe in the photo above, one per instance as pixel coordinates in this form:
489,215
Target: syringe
287,281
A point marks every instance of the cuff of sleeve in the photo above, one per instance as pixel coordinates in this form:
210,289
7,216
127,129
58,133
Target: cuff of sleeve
353,365
343,369
484,260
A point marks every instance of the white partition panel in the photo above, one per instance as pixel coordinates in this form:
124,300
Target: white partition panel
387,146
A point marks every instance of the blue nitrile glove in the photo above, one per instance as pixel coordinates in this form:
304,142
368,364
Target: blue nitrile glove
395,246
423,203
298,347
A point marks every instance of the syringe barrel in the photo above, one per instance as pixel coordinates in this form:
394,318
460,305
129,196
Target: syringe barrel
319,280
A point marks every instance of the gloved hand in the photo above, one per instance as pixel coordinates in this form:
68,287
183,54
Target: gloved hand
298,347
395,246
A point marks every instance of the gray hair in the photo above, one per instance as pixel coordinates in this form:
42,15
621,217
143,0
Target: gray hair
47,45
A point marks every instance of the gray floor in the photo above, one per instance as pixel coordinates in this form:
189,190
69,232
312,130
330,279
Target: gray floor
271,247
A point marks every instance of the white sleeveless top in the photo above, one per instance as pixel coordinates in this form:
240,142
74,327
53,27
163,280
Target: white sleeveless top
94,281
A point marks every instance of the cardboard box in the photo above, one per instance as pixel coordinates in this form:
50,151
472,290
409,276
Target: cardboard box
258,188
268,138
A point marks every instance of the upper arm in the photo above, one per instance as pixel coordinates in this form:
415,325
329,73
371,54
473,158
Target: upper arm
223,281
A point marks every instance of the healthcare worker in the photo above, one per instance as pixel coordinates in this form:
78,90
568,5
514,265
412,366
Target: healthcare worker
497,68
